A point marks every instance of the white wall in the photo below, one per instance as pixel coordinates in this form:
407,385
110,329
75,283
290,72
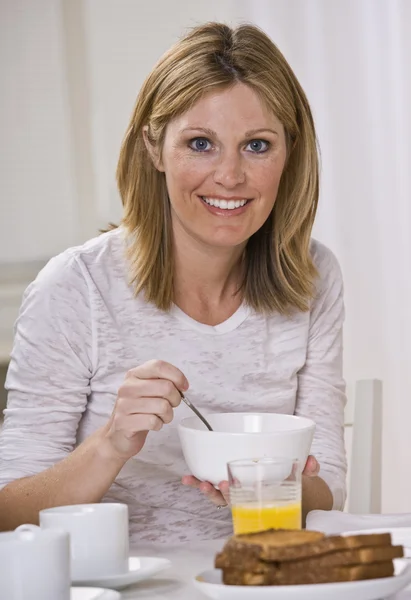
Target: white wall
73,69
125,39
36,179
70,72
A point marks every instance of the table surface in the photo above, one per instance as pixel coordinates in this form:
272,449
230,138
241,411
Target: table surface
187,561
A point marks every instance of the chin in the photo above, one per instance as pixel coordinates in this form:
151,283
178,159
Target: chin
227,242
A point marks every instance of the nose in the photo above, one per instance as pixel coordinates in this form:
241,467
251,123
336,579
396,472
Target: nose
229,171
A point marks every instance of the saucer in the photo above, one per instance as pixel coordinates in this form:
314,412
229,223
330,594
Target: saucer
139,568
88,593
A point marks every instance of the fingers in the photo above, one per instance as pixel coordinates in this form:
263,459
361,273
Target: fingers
190,481
145,402
159,369
130,425
150,387
312,467
159,407
132,399
127,434
219,496
224,488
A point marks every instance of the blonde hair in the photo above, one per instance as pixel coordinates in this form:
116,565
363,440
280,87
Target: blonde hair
279,273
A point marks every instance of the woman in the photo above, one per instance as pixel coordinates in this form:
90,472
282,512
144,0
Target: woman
211,284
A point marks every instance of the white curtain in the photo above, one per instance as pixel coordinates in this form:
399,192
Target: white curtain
353,58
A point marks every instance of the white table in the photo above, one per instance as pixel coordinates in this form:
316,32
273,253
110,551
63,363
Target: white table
187,561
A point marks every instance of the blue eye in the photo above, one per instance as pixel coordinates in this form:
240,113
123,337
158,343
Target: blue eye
200,144
258,146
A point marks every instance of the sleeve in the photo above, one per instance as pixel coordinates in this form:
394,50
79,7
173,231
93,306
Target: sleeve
48,379
321,387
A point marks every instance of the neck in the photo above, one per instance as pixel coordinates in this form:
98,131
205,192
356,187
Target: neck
208,274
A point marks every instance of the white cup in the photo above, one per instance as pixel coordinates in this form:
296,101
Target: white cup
99,543
34,564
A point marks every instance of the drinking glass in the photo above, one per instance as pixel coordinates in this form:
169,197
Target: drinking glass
265,494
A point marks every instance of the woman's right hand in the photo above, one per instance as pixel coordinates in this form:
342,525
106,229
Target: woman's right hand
145,402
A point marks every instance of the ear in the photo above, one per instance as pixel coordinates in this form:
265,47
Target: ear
152,150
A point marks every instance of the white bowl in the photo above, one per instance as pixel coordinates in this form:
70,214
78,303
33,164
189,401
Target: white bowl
238,436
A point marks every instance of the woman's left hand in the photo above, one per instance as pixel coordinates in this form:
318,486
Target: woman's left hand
220,496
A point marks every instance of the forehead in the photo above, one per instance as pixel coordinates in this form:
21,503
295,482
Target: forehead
237,106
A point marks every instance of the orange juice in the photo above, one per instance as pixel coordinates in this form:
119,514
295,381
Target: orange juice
251,517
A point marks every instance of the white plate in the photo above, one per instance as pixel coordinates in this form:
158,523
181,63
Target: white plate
88,593
210,584
139,568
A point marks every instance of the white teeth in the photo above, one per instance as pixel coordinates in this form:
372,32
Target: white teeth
224,204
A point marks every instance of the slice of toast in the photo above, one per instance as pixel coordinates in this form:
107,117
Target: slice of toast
357,556
284,545
272,544
303,576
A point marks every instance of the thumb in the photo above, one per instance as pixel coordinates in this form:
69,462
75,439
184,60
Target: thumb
312,467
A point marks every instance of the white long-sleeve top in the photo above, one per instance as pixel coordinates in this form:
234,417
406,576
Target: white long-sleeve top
81,328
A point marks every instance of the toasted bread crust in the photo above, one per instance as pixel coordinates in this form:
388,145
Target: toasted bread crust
280,557
283,545
302,576
358,556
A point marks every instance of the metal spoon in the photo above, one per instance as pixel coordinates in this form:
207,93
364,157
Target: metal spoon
196,411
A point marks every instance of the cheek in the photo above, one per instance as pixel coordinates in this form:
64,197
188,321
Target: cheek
185,173
266,178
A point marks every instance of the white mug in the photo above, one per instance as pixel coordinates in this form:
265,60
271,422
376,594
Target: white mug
99,544
34,564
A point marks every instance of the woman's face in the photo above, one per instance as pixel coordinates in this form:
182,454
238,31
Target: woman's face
223,161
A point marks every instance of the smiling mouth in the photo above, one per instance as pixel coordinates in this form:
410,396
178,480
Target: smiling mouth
225,204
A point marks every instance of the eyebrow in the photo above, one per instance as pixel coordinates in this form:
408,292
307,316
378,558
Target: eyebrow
248,134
